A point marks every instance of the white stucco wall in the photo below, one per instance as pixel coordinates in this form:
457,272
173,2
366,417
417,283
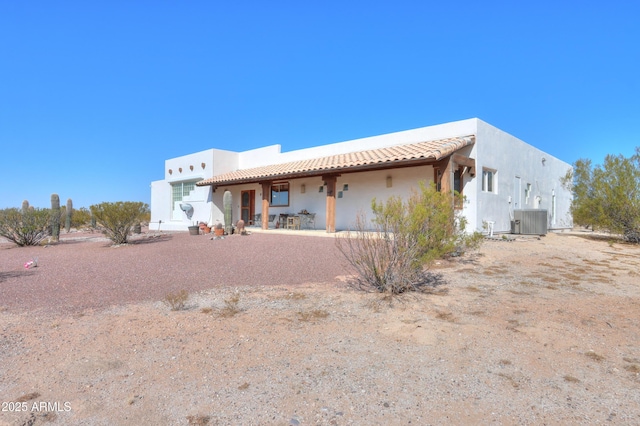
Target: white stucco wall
516,160
188,168
494,149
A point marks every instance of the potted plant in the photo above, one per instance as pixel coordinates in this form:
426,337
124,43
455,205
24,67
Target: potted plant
194,230
204,228
218,230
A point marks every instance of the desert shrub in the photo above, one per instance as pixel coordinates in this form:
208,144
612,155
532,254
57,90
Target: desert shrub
392,255
312,315
118,219
25,227
80,217
177,301
231,307
607,196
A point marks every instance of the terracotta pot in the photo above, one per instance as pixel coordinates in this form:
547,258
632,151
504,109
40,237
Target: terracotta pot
219,232
207,230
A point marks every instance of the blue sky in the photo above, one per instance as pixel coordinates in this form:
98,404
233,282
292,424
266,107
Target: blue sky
94,96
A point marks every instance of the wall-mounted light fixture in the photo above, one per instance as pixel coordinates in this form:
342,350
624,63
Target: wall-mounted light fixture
191,168
180,169
203,165
389,182
321,188
345,187
170,171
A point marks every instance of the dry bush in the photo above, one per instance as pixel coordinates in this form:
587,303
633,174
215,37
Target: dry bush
199,420
231,307
571,379
315,314
177,301
390,254
594,356
295,296
28,397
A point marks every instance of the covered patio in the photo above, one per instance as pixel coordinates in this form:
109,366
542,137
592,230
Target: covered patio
446,157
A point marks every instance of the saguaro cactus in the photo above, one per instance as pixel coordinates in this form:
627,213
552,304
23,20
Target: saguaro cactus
25,206
55,217
228,220
67,222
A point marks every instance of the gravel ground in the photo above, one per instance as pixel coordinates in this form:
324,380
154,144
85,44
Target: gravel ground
532,331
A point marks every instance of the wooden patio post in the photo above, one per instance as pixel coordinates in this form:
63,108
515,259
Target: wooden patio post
447,176
330,180
266,188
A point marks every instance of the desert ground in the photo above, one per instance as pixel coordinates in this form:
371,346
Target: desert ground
534,330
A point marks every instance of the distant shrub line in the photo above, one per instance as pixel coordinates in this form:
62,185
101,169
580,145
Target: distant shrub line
29,226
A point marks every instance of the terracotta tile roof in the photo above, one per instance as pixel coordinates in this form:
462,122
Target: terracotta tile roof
361,160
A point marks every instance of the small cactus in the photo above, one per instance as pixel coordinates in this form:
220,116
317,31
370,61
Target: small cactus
227,201
55,217
67,222
25,206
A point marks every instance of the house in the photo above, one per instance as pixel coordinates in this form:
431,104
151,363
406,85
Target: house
498,174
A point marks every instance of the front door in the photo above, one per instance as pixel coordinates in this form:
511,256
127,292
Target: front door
247,207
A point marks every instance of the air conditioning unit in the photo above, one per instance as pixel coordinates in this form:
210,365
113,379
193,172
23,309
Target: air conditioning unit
529,222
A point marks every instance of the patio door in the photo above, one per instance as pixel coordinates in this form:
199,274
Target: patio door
248,206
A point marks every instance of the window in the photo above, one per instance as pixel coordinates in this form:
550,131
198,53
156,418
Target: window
488,180
179,190
280,194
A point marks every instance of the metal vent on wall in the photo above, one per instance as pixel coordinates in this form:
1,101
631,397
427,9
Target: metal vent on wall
529,222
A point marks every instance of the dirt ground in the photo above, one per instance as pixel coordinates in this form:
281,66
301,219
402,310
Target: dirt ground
531,331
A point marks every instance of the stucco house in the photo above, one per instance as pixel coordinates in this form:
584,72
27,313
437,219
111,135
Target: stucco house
499,175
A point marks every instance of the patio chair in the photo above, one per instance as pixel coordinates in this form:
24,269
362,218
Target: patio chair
293,222
257,220
308,220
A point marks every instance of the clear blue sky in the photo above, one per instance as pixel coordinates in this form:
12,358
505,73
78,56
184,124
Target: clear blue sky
95,95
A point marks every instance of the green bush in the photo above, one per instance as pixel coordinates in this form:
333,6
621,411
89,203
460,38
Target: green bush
80,217
405,238
607,196
26,227
119,218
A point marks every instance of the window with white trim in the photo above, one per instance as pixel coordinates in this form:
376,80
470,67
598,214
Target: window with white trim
179,190
489,183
